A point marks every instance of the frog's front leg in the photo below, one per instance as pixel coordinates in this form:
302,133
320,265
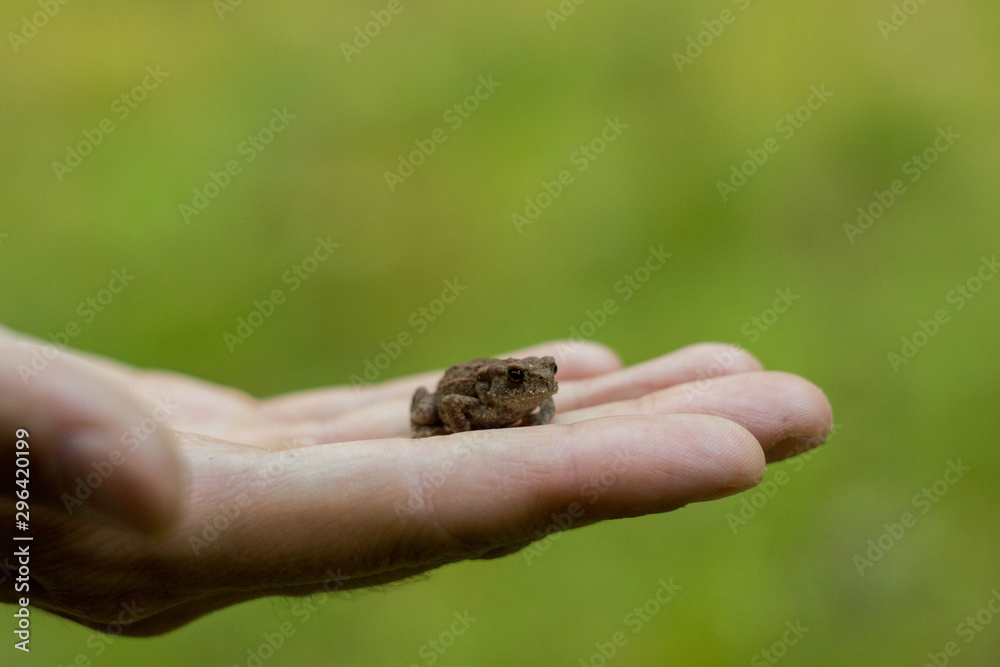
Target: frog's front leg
455,409
545,413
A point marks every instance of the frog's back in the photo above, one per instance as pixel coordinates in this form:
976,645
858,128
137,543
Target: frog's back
461,378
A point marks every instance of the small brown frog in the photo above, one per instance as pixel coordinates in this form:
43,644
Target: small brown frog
487,393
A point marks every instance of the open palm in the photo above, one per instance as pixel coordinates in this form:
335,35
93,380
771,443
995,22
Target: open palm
158,498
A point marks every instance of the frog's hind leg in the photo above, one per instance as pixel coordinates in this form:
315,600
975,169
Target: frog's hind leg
424,419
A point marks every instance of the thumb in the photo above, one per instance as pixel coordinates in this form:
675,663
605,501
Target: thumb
75,422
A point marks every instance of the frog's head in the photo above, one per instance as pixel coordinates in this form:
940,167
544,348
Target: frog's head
519,383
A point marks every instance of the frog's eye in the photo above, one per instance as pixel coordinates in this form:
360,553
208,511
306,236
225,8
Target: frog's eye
555,368
515,375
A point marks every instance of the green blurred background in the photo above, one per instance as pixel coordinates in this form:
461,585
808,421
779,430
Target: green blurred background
656,184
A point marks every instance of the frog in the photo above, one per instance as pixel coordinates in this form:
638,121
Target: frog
485,394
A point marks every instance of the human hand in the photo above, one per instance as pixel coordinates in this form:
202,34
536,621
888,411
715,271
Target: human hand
219,497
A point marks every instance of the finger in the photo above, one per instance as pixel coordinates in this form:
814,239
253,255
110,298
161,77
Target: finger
208,407
693,364
84,451
599,380
575,360
396,504
786,413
